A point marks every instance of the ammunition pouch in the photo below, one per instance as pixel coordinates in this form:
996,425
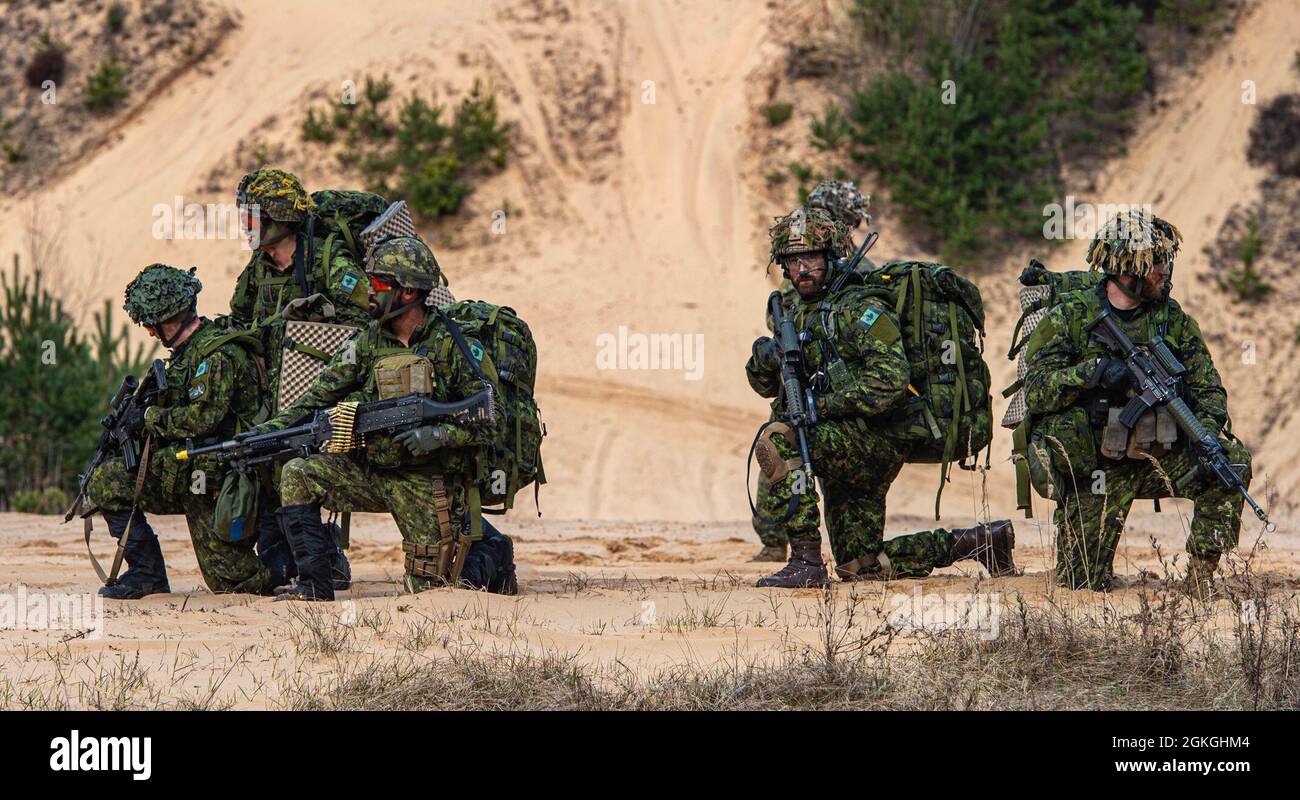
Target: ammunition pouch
402,375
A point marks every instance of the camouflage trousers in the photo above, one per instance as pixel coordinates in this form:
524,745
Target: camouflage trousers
227,567
855,465
343,483
1089,517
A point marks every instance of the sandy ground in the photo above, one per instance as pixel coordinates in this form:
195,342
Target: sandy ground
629,213
641,595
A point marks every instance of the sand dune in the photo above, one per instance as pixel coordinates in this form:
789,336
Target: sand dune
646,217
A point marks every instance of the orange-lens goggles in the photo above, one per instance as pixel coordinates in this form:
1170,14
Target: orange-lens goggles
379,284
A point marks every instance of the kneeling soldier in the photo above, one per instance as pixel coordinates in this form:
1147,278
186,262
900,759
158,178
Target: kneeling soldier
212,393
854,454
420,476
1075,388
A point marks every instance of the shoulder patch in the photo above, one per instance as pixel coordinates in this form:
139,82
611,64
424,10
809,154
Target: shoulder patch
349,282
476,350
198,391
875,322
202,369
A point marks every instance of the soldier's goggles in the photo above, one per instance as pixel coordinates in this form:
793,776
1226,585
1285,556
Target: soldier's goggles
379,284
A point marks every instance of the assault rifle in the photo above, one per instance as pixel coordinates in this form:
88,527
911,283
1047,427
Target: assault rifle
800,410
118,438
1155,376
343,428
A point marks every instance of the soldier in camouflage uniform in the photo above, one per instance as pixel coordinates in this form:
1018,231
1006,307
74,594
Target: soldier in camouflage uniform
212,393
419,476
291,262
843,201
853,453
1071,384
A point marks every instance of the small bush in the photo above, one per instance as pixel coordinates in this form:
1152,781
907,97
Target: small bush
777,114
116,17
1246,284
1275,136
317,128
48,63
50,500
830,129
104,88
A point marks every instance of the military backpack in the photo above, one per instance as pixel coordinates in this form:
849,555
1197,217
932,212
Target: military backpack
948,413
515,461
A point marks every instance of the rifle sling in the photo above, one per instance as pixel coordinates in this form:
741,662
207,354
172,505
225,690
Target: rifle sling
110,578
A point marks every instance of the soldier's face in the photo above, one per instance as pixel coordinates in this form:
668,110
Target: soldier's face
1153,285
806,271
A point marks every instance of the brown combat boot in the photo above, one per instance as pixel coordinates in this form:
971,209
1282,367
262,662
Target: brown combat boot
990,544
805,570
771,552
1199,583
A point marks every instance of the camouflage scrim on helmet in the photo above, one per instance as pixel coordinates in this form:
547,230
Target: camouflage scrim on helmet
1133,242
159,293
279,194
808,230
407,261
843,201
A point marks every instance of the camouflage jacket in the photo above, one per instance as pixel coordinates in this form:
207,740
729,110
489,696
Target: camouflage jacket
211,393
1061,358
866,336
262,291
350,375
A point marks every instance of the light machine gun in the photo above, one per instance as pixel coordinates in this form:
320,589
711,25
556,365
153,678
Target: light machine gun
344,428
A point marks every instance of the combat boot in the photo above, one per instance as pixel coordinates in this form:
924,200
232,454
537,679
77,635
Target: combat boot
806,568
273,550
771,552
1199,582
505,582
990,544
146,572
313,550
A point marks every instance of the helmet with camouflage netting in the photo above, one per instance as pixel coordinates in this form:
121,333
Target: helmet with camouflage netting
161,292
1132,243
279,195
843,201
808,230
406,261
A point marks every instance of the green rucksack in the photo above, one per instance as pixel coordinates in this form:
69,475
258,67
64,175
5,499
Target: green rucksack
339,218
1030,452
515,461
948,415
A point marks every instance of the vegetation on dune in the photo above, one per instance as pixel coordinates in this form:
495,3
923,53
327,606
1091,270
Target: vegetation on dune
413,152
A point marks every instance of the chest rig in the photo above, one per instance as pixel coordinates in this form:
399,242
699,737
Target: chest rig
1156,432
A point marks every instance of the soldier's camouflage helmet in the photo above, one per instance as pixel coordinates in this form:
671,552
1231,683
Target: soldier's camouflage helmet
277,193
161,292
406,261
1132,242
844,202
808,230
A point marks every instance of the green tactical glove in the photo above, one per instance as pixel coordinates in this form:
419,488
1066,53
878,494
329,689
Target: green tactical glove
765,355
421,441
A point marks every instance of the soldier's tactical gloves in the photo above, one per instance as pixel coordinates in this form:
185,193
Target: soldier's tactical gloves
420,441
1111,374
765,355
134,422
